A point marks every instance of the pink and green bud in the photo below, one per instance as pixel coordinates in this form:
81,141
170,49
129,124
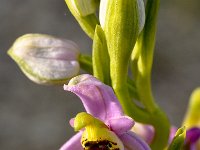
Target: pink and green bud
45,59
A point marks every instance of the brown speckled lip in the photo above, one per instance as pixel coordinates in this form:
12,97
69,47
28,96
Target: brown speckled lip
100,145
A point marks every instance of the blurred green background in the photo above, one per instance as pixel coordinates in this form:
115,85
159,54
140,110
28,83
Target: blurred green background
35,117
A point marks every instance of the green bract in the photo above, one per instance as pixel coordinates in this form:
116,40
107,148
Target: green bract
178,140
120,22
45,59
100,57
85,7
84,12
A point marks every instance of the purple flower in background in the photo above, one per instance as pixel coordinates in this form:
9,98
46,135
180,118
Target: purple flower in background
104,110
192,139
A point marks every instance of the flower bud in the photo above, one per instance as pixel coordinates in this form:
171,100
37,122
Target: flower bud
120,21
85,7
84,12
192,117
178,140
45,59
140,9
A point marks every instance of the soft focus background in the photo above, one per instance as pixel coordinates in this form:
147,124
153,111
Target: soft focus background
35,117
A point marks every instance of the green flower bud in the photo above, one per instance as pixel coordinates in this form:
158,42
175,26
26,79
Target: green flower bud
85,7
192,117
100,57
84,12
120,22
45,59
140,9
178,140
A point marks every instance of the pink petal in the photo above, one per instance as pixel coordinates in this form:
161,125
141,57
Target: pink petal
146,132
132,141
173,130
193,135
192,138
71,122
121,124
74,143
98,99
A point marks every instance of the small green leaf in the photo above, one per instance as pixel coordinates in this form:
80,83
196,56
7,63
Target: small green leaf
86,63
100,57
178,139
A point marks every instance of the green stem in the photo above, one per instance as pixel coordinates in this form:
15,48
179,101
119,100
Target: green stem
158,118
162,127
145,94
142,66
85,62
132,89
128,106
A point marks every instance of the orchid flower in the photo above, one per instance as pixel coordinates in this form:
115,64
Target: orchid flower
104,122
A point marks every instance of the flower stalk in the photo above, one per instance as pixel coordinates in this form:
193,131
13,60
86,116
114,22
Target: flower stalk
142,60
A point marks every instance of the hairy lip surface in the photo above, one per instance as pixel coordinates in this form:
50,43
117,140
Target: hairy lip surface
100,145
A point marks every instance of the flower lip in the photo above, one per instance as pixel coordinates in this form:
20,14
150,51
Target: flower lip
96,133
100,145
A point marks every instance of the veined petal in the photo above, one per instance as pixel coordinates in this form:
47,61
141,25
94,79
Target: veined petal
121,124
132,141
74,143
98,99
46,59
